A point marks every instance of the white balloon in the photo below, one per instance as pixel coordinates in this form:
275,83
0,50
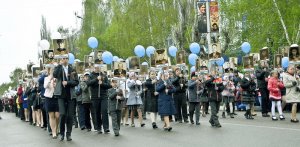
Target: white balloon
76,60
56,35
92,54
44,44
40,51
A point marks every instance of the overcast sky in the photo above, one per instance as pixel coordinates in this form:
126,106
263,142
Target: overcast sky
20,28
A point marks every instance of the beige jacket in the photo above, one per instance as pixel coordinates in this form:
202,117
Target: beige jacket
292,96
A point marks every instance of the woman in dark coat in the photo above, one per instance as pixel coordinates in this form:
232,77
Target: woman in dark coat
166,106
151,98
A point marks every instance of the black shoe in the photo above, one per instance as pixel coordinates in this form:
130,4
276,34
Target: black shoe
99,131
218,126
294,120
50,133
274,118
117,134
223,115
142,125
168,129
281,117
82,128
186,121
212,123
154,126
33,124
76,126
89,130
62,137
197,123
192,122
54,137
69,138
106,131
265,115
231,115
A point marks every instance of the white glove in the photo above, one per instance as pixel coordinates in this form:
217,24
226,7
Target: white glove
138,82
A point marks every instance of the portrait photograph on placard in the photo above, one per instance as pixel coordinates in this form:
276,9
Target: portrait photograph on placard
248,62
152,56
103,67
119,69
161,57
79,67
214,17
277,61
180,57
35,71
143,70
285,51
98,57
215,51
134,63
29,68
233,62
264,53
215,37
88,61
201,18
294,54
60,47
255,57
48,56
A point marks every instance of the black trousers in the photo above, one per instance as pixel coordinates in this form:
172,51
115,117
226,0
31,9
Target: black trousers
194,107
214,106
87,112
181,106
100,107
265,107
66,114
116,120
21,112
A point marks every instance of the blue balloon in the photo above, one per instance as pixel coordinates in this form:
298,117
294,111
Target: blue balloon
192,59
107,57
221,61
285,62
246,47
193,69
115,58
172,51
71,58
195,48
139,51
150,50
93,42
226,58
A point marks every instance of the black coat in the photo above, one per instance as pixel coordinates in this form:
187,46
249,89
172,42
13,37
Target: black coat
94,86
176,83
213,94
150,99
261,75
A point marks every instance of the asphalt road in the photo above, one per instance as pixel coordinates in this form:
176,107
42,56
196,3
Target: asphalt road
237,132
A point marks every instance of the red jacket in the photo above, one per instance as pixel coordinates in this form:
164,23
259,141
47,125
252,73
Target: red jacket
275,86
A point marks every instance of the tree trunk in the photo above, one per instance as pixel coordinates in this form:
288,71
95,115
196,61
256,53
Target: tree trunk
282,22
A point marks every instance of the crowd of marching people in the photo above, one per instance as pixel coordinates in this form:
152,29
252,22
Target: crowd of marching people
61,98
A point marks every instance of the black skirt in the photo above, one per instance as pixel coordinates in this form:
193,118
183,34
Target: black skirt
51,104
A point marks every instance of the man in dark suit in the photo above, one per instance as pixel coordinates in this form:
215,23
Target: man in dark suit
120,71
66,79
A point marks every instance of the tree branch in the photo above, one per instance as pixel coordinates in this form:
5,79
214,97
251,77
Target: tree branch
282,22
